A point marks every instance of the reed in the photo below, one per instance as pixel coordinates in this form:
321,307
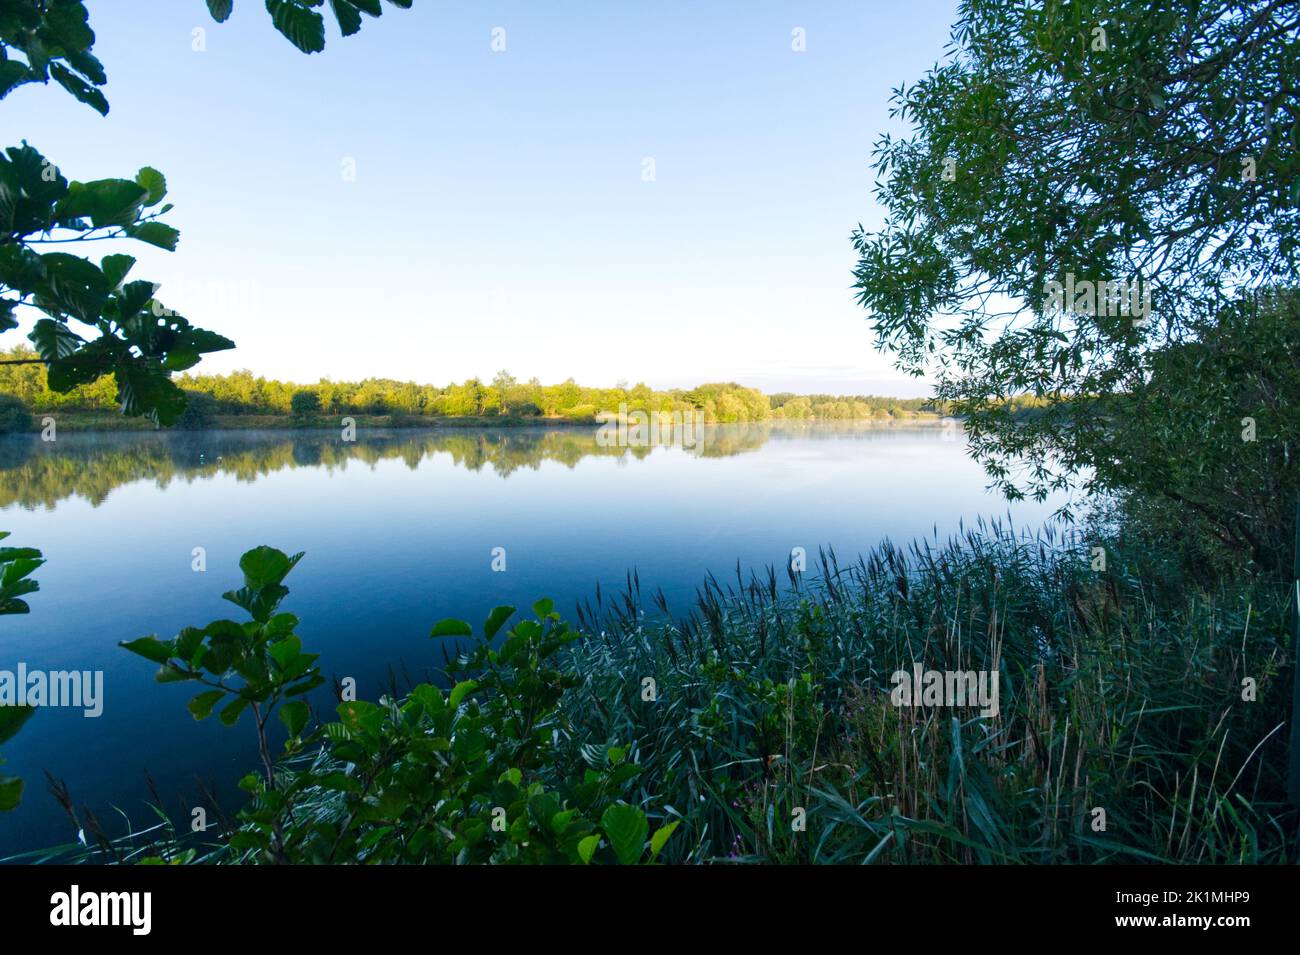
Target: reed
1120,691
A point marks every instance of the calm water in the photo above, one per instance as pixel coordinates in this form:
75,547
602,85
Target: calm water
399,530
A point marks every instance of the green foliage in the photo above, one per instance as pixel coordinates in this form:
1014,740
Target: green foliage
772,736
131,335
1163,148
14,416
1204,446
139,341
243,393
304,402
54,40
1116,690
303,26
16,567
135,338
466,775
199,411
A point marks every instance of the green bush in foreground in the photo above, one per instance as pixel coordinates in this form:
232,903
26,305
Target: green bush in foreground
460,776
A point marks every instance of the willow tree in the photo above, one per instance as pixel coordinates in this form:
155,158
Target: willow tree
1065,151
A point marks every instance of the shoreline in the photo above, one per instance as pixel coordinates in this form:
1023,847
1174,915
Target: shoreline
110,421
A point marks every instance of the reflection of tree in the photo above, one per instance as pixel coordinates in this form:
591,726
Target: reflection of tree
37,474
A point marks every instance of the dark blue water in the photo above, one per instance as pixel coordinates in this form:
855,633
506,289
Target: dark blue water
399,530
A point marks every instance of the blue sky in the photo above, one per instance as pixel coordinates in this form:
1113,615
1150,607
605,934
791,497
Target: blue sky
498,216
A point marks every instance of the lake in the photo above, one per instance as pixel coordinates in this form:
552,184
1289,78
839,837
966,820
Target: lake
400,529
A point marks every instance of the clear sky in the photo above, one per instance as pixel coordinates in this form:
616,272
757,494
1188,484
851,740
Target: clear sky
499,216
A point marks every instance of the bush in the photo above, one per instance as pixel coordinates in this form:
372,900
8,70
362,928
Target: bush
14,415
580,413
200,407
523,409
465,776
304,403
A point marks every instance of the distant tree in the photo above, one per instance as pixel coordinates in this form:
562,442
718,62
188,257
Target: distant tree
523,409
502,385
478,395
304,402
14,415
200,408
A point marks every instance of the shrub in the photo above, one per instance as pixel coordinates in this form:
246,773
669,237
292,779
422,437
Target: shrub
200,408
304,403
580,412
523,409
14,415
465,775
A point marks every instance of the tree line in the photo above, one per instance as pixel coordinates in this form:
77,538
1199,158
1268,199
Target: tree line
243,393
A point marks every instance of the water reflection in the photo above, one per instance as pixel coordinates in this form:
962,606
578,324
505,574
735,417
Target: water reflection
36,474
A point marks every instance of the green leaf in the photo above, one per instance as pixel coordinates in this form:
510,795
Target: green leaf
230,713
661,836
73,285
11,792
294,716
513,775
544,607
12,719
220,9
151,648
264,566
302,27
626,828
201,706
496,618
13,74
83,366
285,651
460,691
587,848
54,340
153,183
105,202
347,15
79,88
156,233
451,628
429,697
143,389
115,268
170,673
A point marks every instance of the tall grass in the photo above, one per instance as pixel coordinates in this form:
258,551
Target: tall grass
1121,691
